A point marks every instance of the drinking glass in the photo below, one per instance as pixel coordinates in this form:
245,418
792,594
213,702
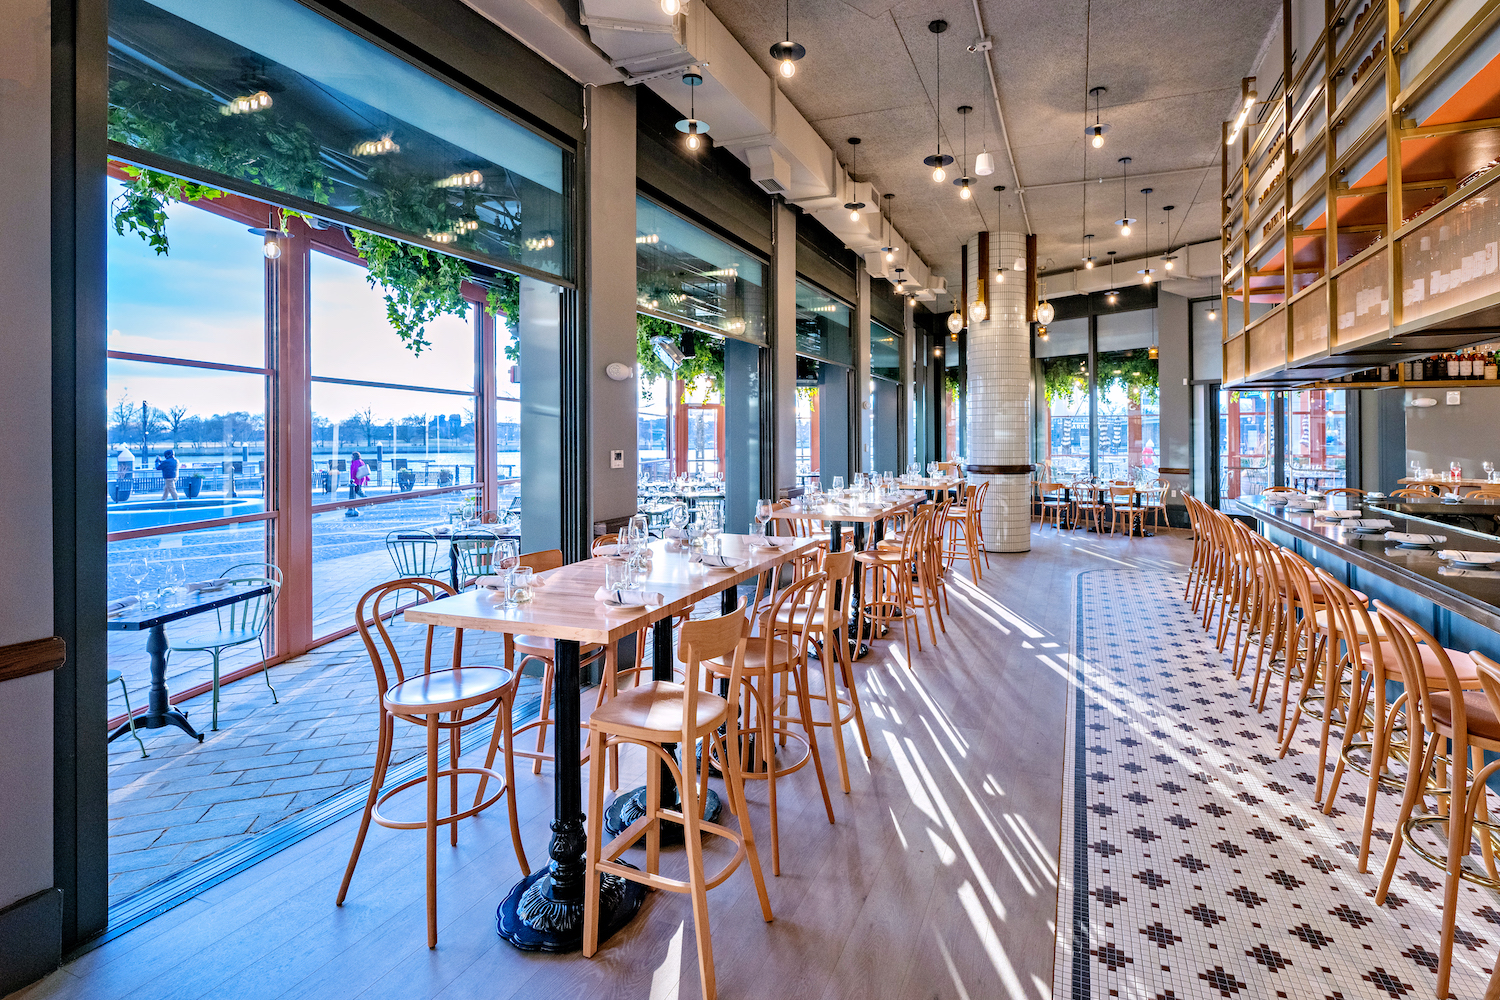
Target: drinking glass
838,484
1455,470
505,560
696,529
518,587
1489,471
762,513
757,533
138,570
616,574
173,593
678,519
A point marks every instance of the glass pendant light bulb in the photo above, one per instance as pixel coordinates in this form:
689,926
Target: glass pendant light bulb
1169,265
671,7
788,69
1213,314
955,321
1098,140
890,256
272,247
1125,229
977,312
1045,313
1088,265
693,141
963,193
1000,276
939,175
854,215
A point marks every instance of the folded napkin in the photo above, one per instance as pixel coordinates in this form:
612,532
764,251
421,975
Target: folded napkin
1470,556
723,562
1337,515
119,604
606,550
1408,538
1370,523
768,541
207,586
629,598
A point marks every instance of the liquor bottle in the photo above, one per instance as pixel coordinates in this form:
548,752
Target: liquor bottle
1466,365
1491,367
1425,371
1453,366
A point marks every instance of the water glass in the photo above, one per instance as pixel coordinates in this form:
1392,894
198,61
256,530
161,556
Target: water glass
838,484
762,513
616,574
1489,471
757,533
518,586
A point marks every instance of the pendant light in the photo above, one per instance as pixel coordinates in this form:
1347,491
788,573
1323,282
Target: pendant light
1154,353
854,205
964,182
671,8
955,318
999,210
271,245
938,160
1213,314
900,280
1124,221
1096,131
1088,251
1044,309
890,244
1113,295
691,125
1167,258
787,53
1148,272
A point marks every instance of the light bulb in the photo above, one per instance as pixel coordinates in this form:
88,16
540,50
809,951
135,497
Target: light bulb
955,322
1098,140
939,175
854,215
1145,279
1213,314
963,193
1125,229
272,247
1169,265
788,68
890,256
1088,265
693,141
1044,313
977,312
1000,276
671,7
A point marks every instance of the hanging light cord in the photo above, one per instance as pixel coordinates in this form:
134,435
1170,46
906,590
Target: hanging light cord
937,41
1087,29
789,20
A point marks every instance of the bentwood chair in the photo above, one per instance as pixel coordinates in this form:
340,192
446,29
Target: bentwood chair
413,551
474,550
772,676
1441,715
1343,491
1423,492
437,699
1054,503
544,651
961,526
896,570
652,716
239,624
1483,494
1279,489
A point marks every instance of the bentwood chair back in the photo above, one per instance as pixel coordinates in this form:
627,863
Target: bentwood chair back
1417,491
1470,724
475,552
239,624
435,698
1483,494
1343,491
653,716
608,539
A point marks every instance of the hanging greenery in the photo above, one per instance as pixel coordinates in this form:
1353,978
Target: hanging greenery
1064,379
504,300
1133,372
142,205
707,362
419,285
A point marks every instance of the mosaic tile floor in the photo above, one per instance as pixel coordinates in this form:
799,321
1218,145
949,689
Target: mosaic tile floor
1194,862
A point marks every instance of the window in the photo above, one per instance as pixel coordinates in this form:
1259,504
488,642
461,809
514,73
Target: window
1126,389
282,98
1316,438
685,274
1066,439
1245,445
883,418
824,352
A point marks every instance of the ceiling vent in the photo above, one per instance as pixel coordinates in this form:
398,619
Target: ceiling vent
769,169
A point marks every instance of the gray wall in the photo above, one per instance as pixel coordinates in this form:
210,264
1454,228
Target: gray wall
1175,372
610,285
26,704
1468,432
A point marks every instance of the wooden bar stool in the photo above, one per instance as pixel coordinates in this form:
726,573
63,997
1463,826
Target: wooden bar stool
774,672
828,626
961,525
894,573
660,713
423,699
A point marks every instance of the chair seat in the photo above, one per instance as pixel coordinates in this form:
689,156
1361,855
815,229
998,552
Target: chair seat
657,708
215,640
1321,617
755,657
883,557
1477,711
443,690
1463,663
785,616
536,645
112,677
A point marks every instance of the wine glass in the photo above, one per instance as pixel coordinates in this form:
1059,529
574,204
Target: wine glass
1455,470
696,528
176,577
138,570
1416,468
838,484
678,519
1489,471
762,512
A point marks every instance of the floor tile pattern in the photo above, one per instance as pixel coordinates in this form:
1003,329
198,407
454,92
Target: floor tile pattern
1194,862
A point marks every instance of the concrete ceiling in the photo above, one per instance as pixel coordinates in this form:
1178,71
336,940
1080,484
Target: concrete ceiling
1173,69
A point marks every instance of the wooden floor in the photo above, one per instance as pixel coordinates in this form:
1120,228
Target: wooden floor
938,879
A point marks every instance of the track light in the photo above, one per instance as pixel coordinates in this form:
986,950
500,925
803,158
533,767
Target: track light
1244,116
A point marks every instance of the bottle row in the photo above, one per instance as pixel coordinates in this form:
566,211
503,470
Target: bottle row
1458,366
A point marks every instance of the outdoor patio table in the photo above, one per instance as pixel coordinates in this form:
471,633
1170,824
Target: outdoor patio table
159,710
835,515
544,911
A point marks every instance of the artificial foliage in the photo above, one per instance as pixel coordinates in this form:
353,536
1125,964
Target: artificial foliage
1064,379
708,359
142,204
418,284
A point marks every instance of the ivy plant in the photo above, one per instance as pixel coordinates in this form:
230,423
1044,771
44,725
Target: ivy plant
418,284
142,204
708,357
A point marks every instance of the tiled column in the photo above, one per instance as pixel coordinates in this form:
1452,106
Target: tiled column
999,397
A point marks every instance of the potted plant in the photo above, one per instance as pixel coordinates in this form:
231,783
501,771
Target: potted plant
406,479
444,477
192,485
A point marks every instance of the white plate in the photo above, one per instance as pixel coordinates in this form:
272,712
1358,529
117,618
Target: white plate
612,606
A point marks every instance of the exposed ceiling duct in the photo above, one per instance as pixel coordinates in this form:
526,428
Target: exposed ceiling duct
1196,274
753,119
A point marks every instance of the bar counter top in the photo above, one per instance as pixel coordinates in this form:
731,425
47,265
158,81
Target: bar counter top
1474,594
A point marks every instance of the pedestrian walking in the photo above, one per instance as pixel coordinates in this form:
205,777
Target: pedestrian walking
167,466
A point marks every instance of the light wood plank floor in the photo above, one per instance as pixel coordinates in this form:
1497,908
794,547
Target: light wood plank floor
938,879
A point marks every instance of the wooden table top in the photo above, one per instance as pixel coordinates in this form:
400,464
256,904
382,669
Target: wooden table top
832,512
563,607
929,484
1445,483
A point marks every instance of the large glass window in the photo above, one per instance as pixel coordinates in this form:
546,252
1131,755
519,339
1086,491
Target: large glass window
825,351
1066,440
1127,390
823,326
273,94
685,274
1316,436
1245,445
883,415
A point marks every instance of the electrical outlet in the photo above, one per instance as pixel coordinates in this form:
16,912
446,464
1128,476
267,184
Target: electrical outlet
617,459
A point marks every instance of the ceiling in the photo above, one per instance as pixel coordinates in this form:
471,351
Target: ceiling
1173,70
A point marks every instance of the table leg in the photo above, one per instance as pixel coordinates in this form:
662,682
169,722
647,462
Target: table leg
159,710
628,808
544,911
453,565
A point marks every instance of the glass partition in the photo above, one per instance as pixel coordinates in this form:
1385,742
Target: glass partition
1316,438
272,94
684,273
885,351
1245,444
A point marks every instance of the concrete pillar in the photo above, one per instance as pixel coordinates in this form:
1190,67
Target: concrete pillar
999,404
611,288
782,316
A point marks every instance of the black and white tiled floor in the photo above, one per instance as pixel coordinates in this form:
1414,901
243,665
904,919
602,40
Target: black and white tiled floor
1195,863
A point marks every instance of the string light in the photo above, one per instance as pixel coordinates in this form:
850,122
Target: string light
258,101
472,178
377,147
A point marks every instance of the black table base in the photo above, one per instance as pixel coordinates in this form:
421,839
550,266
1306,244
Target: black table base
537,914
159,711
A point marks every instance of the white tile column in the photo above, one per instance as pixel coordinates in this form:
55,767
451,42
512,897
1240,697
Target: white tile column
999,363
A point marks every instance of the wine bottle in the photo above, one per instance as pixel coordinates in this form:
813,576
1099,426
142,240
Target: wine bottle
1466,365
1491,367
1453,366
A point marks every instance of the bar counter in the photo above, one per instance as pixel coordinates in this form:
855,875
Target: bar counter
1460,607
